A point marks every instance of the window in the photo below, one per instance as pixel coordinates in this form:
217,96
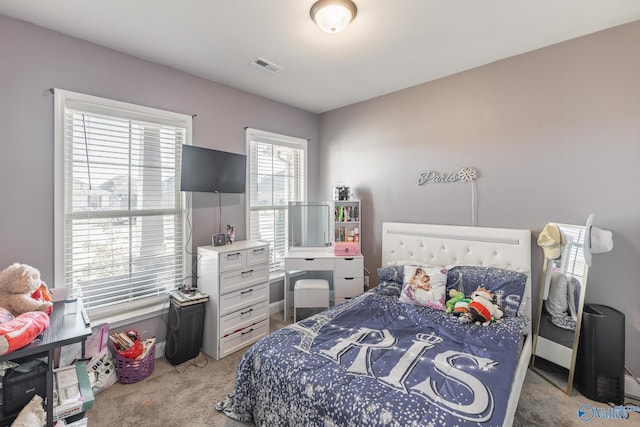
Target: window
119,214
277,176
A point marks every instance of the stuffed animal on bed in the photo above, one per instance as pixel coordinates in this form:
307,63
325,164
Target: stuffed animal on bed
482,309
458,305
454,298
22,290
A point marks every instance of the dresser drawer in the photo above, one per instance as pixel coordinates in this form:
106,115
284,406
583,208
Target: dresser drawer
257,256
312,264
243,298
242,338
240,279
349,267
242,318
348,287
232,260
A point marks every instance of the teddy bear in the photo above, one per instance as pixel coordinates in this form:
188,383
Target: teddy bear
22,290
482,309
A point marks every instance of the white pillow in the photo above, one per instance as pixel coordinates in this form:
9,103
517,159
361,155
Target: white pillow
426,286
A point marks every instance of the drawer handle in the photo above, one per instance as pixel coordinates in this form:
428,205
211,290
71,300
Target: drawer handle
246,272
348,259
246,292
242,313
258,251
247,332
348,278
309,259
236,255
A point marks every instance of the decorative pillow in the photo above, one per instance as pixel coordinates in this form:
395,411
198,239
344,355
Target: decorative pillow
392,273
426,286
390,288
510,283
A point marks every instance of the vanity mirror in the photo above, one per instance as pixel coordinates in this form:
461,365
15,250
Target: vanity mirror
309,224
567,249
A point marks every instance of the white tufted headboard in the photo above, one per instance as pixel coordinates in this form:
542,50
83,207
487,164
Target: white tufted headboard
446,245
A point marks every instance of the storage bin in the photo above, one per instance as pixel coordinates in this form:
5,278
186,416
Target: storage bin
131,370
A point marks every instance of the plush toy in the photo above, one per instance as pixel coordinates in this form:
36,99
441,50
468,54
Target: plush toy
458,305
462,308
19,283
454,297
482,309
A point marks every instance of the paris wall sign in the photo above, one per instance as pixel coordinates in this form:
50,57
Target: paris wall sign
463,175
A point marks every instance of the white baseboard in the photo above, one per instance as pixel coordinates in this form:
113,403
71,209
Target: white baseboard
276,307
631,387
160,349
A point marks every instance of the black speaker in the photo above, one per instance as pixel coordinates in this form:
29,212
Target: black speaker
21,383
599,373
184,332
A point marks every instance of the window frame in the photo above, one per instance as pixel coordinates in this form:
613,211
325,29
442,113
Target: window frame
276,140
62,98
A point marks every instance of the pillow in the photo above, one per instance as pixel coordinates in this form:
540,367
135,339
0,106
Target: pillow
390,288
510,283
392,273
425,286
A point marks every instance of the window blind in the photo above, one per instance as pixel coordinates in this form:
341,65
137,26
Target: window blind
277,176
123,228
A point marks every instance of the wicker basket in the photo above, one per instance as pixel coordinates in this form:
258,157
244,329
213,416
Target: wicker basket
131,370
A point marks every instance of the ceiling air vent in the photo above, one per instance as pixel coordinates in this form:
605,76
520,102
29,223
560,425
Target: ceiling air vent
266,65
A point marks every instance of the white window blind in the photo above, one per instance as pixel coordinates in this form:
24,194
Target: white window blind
120,234
277,176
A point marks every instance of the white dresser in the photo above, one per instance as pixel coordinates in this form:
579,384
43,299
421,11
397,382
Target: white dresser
236,278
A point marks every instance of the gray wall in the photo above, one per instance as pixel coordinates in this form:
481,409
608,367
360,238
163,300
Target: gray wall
35,59
555,134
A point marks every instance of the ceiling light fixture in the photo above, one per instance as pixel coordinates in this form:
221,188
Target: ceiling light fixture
333,16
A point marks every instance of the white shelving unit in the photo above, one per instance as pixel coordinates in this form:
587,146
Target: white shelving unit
346,221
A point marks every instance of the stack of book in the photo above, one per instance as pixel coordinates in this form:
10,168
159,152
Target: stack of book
187,298
122,341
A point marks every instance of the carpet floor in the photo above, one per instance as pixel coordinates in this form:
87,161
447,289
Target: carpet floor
185,395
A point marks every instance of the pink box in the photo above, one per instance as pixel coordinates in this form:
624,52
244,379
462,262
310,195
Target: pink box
346,248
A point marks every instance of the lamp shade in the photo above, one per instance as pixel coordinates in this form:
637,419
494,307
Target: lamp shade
333,16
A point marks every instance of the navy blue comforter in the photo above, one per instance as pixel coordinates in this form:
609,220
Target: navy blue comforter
375,361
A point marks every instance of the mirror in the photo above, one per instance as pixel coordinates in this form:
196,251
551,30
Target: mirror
309,224
562,292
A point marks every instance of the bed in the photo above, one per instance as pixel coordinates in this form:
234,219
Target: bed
374,360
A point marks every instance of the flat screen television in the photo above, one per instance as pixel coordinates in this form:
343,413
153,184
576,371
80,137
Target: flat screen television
208,170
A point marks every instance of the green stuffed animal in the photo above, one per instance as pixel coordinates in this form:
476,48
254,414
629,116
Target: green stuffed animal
458,304
454,297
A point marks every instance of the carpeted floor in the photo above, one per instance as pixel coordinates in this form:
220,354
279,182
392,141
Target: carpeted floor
185,395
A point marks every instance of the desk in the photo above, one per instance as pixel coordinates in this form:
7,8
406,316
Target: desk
348,271
64,329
